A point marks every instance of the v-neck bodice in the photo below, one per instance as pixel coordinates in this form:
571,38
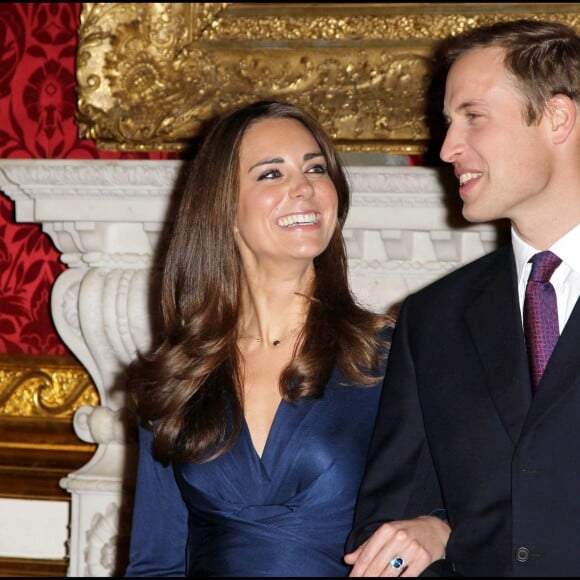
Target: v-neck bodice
246,428
291,508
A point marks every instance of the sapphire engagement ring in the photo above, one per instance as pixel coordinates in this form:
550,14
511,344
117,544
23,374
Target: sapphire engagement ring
397,563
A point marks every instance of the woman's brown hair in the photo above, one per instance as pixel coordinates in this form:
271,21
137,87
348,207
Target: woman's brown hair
188,388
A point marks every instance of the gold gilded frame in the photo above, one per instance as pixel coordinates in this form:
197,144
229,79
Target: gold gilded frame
151,74
38,446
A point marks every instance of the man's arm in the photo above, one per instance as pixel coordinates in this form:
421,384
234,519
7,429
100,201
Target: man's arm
400,482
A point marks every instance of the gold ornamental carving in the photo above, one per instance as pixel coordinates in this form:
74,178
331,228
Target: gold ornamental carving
44,387
38,446
150,75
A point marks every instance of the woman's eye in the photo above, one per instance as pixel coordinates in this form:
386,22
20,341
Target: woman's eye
317,169
270,174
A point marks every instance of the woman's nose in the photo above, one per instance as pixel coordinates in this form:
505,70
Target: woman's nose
302,188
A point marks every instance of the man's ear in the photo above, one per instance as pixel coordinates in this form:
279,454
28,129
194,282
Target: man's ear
562,115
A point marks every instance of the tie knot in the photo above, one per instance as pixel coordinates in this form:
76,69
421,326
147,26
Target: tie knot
543,266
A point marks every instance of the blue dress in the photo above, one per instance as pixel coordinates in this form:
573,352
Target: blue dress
287,513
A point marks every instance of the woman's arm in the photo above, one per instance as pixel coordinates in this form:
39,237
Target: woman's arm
160,518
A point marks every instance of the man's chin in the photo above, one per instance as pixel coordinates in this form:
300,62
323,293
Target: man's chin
475,216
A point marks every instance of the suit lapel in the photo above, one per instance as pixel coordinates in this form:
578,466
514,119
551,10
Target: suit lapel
495,324
562,371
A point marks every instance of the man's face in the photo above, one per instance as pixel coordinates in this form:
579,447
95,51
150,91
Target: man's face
503,165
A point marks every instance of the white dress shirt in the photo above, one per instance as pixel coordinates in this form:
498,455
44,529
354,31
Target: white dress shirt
566,277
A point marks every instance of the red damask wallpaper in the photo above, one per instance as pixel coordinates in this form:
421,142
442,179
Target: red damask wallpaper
37,121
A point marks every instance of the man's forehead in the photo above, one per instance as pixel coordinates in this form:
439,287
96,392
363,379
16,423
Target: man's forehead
473,75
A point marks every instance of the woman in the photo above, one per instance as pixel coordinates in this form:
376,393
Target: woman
257,406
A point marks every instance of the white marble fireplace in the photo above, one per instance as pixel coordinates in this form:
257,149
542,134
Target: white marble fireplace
106,217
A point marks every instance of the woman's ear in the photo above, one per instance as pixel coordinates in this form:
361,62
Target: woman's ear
562,115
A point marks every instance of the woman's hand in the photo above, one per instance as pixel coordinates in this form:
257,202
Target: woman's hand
401,548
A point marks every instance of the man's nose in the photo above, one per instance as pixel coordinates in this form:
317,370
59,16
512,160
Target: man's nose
452,145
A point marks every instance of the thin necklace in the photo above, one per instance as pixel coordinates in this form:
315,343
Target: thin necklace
276,342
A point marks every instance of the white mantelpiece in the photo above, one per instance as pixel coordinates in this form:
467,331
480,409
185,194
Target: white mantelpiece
105,217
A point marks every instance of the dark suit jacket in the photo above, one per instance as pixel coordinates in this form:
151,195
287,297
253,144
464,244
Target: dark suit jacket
457,428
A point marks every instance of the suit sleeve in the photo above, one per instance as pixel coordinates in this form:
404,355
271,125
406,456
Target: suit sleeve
400,481
160,518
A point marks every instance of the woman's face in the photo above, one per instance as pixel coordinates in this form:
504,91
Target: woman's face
287,203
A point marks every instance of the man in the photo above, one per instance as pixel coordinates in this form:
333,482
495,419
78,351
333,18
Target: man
462,424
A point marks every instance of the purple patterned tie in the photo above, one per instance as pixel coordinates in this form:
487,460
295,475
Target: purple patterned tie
541,314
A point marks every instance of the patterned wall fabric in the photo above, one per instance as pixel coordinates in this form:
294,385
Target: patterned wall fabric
37,121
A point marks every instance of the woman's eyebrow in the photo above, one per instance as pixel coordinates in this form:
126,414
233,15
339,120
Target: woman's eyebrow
307,157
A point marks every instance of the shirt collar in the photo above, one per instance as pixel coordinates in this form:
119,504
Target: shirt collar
566,248
522,254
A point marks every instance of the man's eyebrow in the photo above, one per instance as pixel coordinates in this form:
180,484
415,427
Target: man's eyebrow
464,105
468,105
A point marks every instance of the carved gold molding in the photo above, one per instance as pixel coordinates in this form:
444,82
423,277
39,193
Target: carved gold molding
38,445
49,387
151,74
